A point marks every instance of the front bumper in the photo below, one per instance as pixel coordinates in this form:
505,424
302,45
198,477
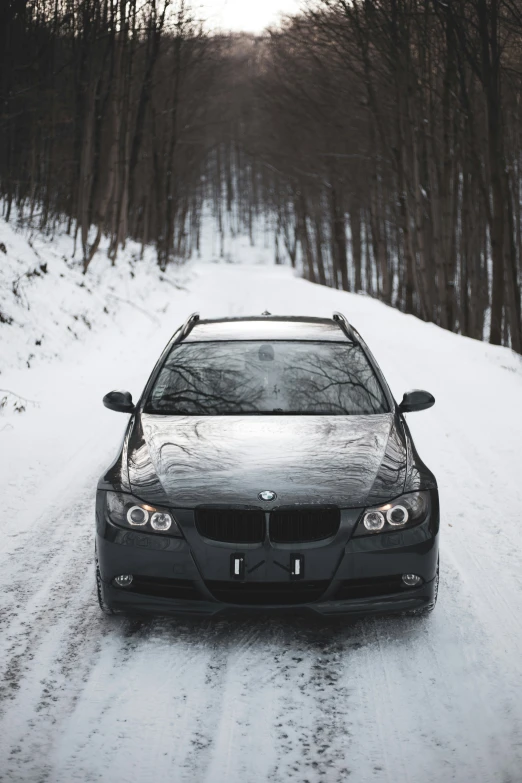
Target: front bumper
124,600
344,575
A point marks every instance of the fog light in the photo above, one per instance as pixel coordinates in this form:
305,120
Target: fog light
411,580
124,580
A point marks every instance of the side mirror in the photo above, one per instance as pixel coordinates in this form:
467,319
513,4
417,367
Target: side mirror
120,401
416,400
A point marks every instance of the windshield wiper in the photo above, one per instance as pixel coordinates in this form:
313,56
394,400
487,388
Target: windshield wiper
281,412
273,412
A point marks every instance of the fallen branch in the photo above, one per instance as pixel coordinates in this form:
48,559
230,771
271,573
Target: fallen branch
20,402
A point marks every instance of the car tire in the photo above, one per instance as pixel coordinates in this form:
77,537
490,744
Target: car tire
106,609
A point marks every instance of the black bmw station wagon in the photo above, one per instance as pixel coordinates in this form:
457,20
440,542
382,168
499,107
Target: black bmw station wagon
267,465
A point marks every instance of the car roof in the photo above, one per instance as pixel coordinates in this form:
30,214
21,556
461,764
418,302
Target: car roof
267,328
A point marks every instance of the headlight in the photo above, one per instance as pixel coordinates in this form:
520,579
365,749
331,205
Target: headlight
137,516
161,521
127,511
373,521
407,511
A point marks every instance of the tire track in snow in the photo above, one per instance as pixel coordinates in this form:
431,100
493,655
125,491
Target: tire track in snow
61,564
246,712
147,695
54,662
311,726
52,628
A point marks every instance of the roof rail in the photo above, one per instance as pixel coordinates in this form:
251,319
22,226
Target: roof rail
188,325
347,328
340,317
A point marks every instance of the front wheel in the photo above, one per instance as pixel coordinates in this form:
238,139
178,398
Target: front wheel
106,609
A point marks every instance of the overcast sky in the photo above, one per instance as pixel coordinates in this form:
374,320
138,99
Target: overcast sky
249,15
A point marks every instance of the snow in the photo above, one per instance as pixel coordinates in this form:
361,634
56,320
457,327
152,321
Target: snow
84,697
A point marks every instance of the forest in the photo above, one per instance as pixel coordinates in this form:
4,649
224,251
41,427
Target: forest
378,140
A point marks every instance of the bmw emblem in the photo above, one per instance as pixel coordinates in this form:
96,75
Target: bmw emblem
267,494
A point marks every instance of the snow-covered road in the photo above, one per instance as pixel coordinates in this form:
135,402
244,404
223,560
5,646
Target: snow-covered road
89,698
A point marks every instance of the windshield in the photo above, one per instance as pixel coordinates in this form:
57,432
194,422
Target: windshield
251,377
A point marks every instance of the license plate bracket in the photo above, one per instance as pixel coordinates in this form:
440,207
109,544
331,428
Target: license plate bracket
297,566
237,566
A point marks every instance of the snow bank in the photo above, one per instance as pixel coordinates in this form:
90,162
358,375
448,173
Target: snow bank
48,303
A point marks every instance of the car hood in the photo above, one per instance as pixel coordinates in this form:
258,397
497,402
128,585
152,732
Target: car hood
186,461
